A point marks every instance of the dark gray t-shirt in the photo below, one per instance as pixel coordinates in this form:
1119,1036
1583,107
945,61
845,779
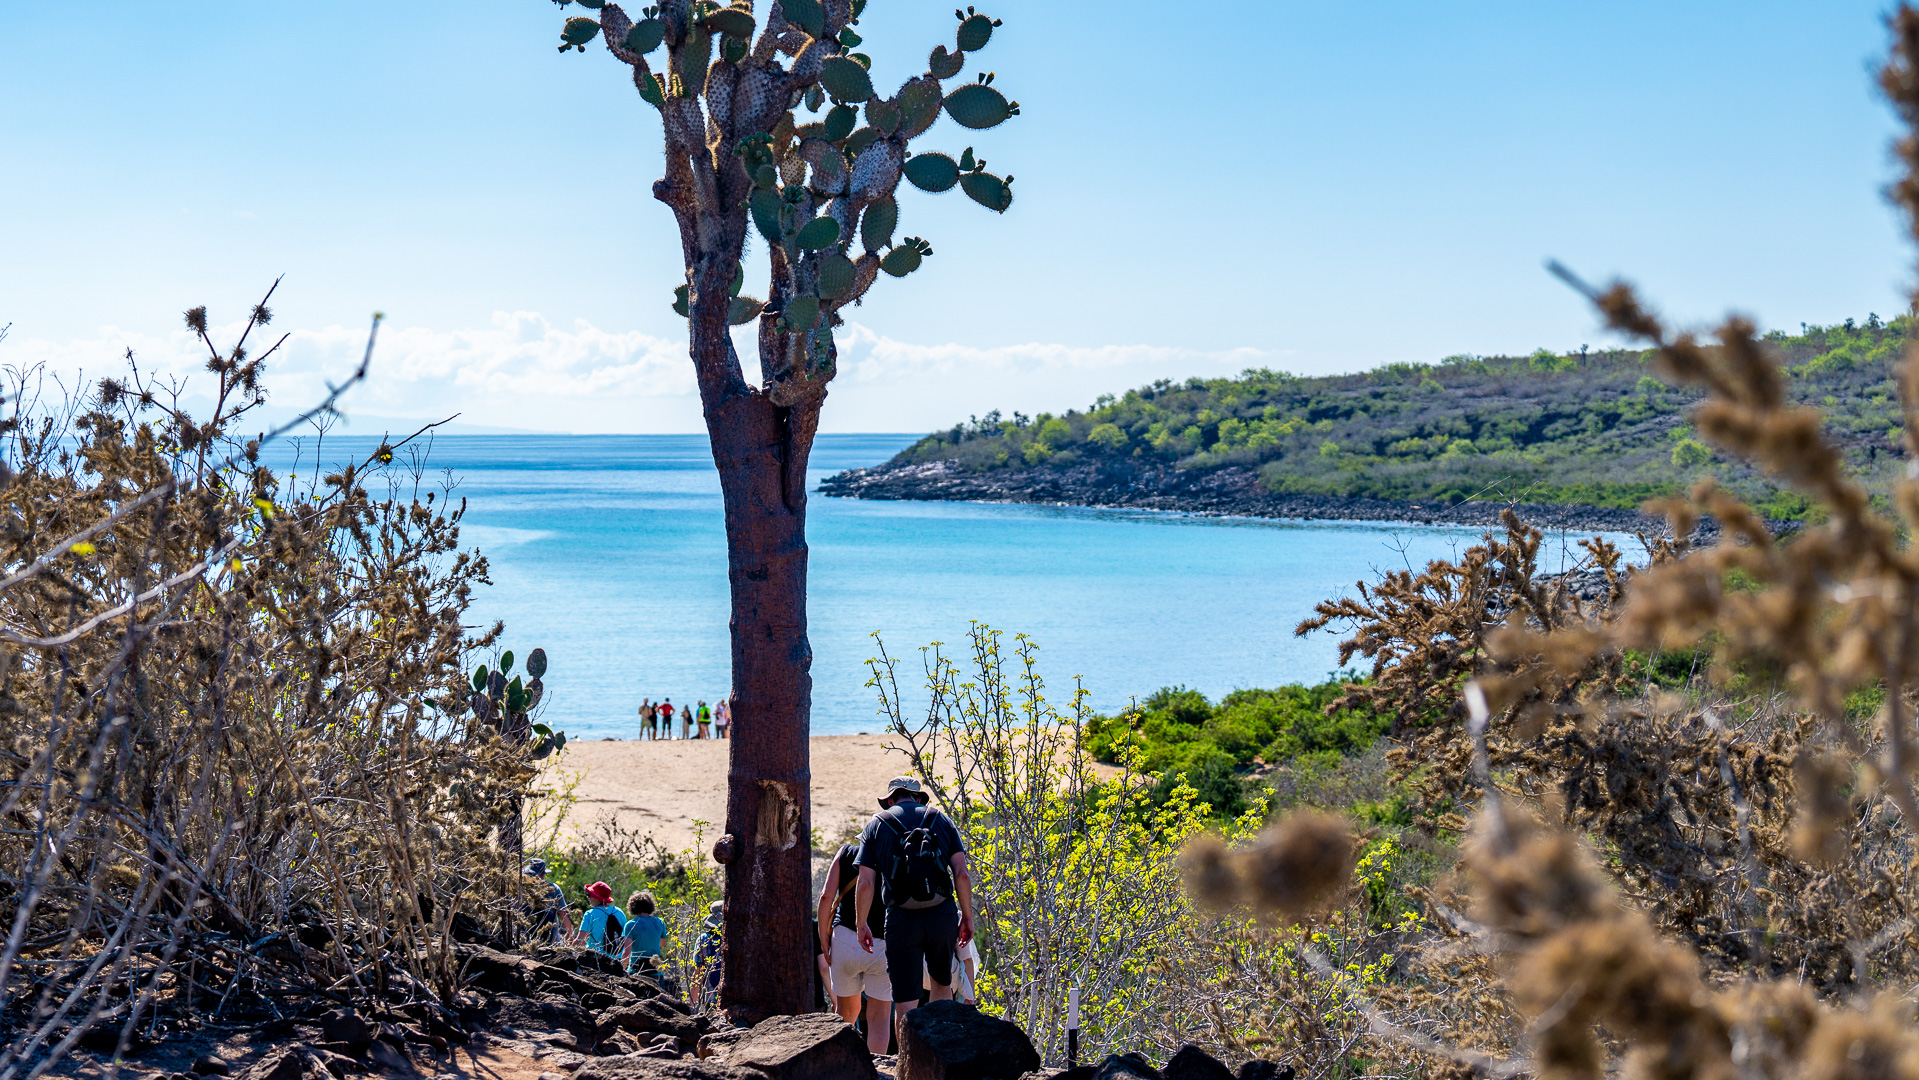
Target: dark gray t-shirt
881,838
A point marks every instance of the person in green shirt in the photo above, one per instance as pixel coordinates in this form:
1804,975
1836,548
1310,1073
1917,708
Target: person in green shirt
706,719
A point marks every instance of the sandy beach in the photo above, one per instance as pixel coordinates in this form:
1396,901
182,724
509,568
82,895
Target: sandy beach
664,788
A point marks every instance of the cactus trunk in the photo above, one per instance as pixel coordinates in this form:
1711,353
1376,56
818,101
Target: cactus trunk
761,449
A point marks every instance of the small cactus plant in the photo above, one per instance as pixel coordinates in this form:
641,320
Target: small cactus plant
506,703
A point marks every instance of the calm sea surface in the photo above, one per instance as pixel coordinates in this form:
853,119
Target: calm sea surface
609,552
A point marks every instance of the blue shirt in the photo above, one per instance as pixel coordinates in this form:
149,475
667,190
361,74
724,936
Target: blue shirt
645,932
593,925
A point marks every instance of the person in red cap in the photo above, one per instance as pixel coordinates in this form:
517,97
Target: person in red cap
603,924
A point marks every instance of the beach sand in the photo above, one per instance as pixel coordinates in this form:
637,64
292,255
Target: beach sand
663,788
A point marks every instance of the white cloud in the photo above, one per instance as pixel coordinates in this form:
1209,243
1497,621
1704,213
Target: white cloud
522,371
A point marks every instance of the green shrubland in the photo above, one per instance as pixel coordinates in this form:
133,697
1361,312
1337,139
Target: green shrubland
1589,428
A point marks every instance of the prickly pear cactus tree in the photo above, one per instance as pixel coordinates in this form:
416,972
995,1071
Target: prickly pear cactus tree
506,704
776,137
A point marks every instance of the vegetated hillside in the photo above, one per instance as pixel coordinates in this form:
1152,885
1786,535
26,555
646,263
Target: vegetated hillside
1590,428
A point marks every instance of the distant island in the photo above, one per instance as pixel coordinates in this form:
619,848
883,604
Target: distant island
1578,440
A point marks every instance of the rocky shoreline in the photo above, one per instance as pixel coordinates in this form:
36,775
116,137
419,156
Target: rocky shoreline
1229,491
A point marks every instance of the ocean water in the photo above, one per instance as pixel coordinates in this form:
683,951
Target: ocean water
610,553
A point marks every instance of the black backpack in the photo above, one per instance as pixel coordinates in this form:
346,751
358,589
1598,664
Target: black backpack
920,876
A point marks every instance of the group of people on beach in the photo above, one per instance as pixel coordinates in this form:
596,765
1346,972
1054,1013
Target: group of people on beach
656,719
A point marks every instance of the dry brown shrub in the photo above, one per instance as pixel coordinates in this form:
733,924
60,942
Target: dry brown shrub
236,773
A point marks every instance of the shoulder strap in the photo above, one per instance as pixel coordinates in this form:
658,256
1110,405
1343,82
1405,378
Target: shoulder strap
846,862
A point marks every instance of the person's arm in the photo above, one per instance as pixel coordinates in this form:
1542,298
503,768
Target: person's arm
963,892
862,900
829,893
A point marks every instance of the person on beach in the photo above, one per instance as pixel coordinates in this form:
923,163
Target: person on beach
686,722
551,920
706,721
913,857
722,716
852,970
603,926
666,717
646,718
643,934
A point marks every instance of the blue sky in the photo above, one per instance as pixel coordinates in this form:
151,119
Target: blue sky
1315,187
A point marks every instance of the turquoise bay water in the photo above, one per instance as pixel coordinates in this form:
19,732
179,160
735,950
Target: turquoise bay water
610,553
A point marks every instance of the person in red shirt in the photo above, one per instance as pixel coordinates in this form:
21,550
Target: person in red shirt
666,717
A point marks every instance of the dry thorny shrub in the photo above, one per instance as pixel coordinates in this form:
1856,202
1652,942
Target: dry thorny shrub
233,782
1750,908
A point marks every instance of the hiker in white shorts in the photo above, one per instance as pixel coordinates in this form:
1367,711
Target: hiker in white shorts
853,970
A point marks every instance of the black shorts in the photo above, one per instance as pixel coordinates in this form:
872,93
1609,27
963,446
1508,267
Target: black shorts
920,941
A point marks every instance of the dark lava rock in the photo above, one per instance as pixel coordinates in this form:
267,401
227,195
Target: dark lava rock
287,1063
642,1067
510,1015
815,1046
949,1041
347,1029
1127,1066
1257,1069
208,1065
655,1015
1189,1062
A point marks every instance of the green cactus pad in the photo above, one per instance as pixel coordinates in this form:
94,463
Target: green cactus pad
932,172
836,274
739,279
766,176
987,190
578,31
839,122
802,313
536,663
808,15
883,116
679,301
696,54
652,92
945,65
919,106
732,49
966,161
645,36
815,97
735,21
861,59
594,4
977,105
506,660
742,309
821,232
974,32
876,228
845,79
479,678
860,140
764,202
901,261
849,38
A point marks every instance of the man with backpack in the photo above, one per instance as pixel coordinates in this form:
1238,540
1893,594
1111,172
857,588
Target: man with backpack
913,856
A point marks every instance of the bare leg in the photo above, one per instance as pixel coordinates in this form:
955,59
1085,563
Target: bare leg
877,1031
848,1008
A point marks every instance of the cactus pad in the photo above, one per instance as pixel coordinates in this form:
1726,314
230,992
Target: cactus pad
577,32
536,664
644,36
679,301
876,228
764,202
901,261
821,232
919,106
945,65
732,49
651,91
884,116
845,79
839,123
696,53
932,172
977,105
974,32
506,660
802,313
735,21
742,309
808,15
836,274
479,678
849,38
860,140
987,190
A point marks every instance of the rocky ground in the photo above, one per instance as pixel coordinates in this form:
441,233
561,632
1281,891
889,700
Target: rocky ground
577,1016
1229,491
